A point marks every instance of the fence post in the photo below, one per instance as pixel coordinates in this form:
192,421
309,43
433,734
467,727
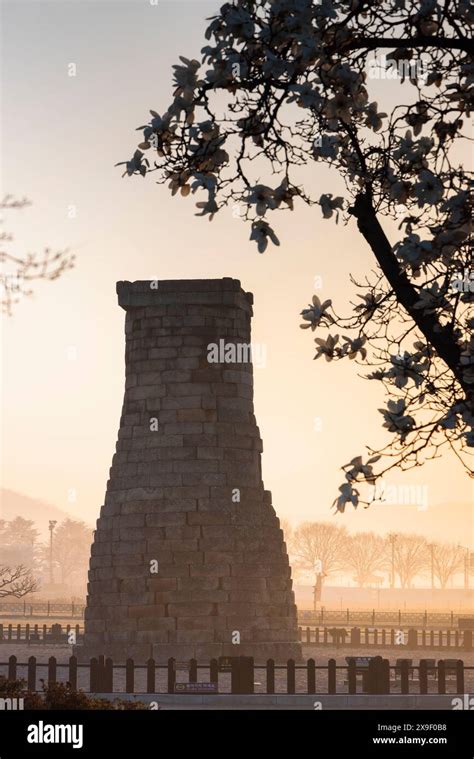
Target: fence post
452,619
290,677
109,676
214,671
10,632
460,676
332,676
32,674
73,672
242,677
404,673
441,677
171,675
101,674
129,676
270,676
347,616
308,635
51,670
1,631
150,676
423,676
352,677
355,636
373,617
93,675
311,673
385,676
399,618
193,671
48,610
375,677
12,668
467,640
27,632
412,638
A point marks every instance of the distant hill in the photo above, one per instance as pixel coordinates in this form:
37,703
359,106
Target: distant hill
14,504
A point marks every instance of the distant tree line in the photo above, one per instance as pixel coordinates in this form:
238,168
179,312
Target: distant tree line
325,549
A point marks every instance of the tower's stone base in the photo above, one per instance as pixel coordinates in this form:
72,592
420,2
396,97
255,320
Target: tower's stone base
188,559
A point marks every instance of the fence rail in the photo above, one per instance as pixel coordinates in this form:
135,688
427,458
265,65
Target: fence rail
375,617
41,609
41,634
373,675
321,617
356,637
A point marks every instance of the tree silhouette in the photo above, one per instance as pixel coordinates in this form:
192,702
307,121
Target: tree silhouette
448,559
365,553
318,547
410,557
18,272
16,581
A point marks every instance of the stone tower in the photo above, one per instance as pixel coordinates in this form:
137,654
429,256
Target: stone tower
188,556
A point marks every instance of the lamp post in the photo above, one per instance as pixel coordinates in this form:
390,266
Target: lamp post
52,525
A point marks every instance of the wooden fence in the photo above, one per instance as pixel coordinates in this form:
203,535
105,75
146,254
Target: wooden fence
460,640
377,676
356,637
41,634
12,609
373,617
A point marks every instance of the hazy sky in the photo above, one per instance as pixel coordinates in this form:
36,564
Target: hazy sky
61,137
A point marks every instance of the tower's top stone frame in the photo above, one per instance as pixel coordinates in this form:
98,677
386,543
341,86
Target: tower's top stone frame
225,291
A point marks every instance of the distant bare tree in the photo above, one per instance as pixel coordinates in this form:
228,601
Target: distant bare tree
18,271
364,554
410,555
16,581
448,559
318,547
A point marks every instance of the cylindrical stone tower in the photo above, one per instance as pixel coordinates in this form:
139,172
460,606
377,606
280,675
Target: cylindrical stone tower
188,557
